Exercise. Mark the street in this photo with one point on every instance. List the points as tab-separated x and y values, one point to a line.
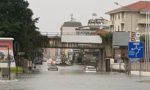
73	78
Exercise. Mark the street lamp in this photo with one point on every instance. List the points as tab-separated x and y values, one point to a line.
118	4
17	48
127	64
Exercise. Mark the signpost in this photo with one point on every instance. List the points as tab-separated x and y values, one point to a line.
134	36
136	51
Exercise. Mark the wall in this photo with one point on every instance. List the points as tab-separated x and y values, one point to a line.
68	30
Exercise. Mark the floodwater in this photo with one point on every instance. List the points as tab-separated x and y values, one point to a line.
74	78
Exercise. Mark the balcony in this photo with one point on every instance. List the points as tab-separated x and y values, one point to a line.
143	21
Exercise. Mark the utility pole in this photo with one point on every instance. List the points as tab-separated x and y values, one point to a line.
9	65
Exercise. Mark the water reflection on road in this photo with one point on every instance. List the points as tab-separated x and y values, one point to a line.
73	78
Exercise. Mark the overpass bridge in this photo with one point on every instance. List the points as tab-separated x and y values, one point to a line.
78	41
74	41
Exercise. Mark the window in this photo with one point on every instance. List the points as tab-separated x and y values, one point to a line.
112	17
122	14
122	27
118	28
119	16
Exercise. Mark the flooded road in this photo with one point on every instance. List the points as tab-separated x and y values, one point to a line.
74	78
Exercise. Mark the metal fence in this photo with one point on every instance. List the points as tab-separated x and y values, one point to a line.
143	66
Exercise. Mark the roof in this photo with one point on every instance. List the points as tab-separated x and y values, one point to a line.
6	38
71	24
137	6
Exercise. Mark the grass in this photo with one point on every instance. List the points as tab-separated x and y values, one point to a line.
16	70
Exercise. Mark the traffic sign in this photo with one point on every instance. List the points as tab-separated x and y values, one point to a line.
136	50
135	36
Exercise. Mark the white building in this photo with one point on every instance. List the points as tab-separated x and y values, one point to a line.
70	27
130	17
74	32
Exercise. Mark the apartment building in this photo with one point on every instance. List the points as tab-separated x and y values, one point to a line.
131	17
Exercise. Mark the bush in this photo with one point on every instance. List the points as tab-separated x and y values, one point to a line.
14	70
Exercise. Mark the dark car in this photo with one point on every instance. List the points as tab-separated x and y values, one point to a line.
38	61
52	67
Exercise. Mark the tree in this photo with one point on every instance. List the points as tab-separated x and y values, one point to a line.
16	21
106	42
142	38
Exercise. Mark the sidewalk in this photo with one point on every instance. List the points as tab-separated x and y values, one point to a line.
12	77
142	73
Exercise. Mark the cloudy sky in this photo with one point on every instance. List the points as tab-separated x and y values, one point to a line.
53	13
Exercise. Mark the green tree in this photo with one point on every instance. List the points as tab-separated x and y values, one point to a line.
16	21
142	38
107	39
107	42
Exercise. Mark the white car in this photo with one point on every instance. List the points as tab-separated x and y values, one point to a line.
89	69
58	60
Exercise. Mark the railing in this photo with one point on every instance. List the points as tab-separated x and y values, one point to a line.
51	33
145	66
83	33
55	41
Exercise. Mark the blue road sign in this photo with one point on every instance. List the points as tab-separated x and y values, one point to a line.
136	50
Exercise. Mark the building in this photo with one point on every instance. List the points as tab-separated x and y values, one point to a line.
69	27
94	25
131	17
73	32
134	17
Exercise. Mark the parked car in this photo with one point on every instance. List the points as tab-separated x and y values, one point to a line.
68	62
52	67
45	59
90	69
38	60
51	61
58	60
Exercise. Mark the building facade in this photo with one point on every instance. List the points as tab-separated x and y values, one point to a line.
129	18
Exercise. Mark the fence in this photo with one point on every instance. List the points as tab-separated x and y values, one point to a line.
143	66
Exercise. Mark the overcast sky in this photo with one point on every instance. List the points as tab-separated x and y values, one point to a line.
53	13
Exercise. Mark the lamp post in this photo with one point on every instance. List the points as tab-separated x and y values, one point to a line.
128	69
147	38
9	64
118	4
16	48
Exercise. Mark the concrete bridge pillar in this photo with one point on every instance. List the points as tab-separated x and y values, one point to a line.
100	62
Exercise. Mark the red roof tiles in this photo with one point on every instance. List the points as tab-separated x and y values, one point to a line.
137	6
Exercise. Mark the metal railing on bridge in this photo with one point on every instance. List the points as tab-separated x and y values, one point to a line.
89	33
